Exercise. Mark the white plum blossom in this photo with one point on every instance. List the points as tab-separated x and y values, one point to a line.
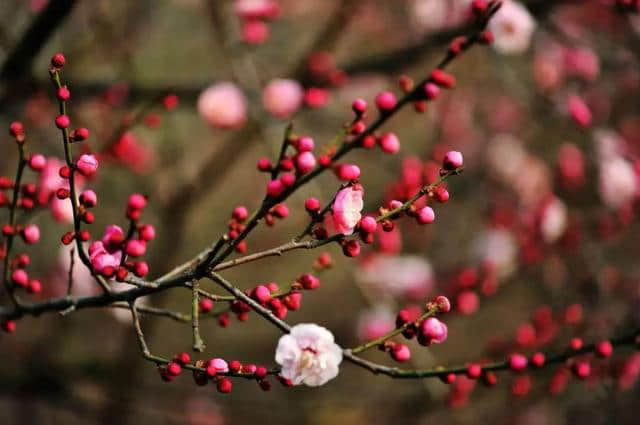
512	27
308	355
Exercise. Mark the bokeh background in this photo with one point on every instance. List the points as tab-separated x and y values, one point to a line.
539	226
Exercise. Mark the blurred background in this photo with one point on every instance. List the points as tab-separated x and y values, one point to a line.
538	243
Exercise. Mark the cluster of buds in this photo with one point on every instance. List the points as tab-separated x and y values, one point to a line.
214	370
413	322
236	226
290	167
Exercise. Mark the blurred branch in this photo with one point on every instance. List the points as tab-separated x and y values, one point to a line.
18	63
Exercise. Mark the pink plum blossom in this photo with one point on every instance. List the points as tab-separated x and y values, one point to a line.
282	97
308	355
346	210
553	220
223	105
405	276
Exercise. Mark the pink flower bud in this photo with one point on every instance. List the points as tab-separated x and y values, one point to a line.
604	349
443	303
20	278
141	269
579	111
287	179
62	122
433	331
37	162
305	144
390	143
368	224
452	160
431	91
88	198
261	294
254	31
426	215
305	162
517	362
312	204
386	101
147	232
359	106
87	164
240	213
274	188
31	234
136	201
346	172
400	353
351	248
136	248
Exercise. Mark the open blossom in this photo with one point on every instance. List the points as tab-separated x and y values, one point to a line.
282	97
101	258
223	105
512	27
346	210
308	355
107	252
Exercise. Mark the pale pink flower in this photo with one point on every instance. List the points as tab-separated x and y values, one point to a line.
434	15
61	210
83	282
375	322
308	355
618	182
282	97
346	210
223	105
553	220
402	276
498	248
512	27
257	9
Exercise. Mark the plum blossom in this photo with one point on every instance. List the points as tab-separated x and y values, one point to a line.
308	355
223	105
553	220
49	182
346	210
107	252
435	15
402	276
618	182
375	322
512	27
282	97
498	248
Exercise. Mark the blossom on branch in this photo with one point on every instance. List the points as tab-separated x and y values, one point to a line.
308	355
